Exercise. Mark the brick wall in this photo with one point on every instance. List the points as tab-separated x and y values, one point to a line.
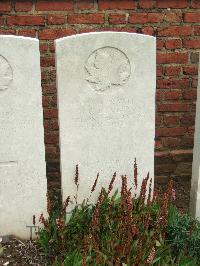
175	23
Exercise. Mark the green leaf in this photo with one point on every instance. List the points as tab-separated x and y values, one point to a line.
158	244
1	250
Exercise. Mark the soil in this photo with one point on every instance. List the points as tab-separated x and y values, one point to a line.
19	253
182	189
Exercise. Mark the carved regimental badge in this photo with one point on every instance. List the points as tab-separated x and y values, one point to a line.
107	68
6	74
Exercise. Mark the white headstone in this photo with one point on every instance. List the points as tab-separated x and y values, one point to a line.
106	95
23	182
195	182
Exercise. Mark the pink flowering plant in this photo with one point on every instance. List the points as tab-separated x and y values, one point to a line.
119	229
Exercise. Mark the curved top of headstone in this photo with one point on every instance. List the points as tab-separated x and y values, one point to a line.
7	62
107	65
101	33
19	38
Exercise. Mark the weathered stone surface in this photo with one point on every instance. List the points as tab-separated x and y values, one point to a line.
195	182
106	98
22	158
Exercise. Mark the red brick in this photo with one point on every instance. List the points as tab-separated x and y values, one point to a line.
171	132
173	17
43	47
51	125
167	58
148	30
173	107
159	44
125	29
159	71
46	124
86	18
196	30
27	33
131	30
173	44
158	95
116	4
47	61
5	6
190	70
192	43
45	101
190	94
172	70
51	34
45	75
195	4
171	120
56	19
146	3
52	47
191	17
194	58
50	113
187	120
112	28
145	17
158	120
54	5
50	150
170	142
117	18
49	89
180	154
175	31
158	144
187	142
52	74
194	82
172	3
85	4
172	95
54	125
53	101
165	169
23	6
162	156
173	83
7	32
51	138
2	20
86	30
25	20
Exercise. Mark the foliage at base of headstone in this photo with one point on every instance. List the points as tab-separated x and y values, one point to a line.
183	232
121	229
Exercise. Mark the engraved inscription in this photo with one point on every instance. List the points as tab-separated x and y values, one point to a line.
107	68
8	163
103	114
6	74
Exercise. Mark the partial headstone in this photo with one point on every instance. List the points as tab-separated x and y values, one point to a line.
106	95
195	182
23	184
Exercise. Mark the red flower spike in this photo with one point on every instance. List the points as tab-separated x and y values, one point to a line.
76	176
34	222
135	174
95	183
111	183
151	255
